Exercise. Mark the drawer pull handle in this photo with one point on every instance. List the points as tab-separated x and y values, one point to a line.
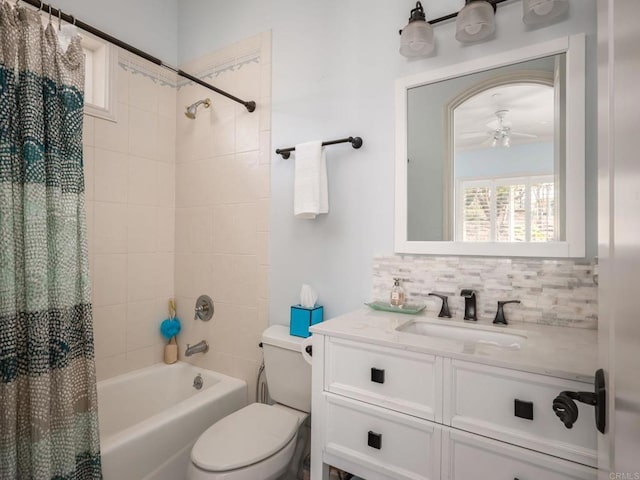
377	375
375	440
523	409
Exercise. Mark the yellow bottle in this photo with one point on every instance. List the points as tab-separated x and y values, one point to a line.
397	294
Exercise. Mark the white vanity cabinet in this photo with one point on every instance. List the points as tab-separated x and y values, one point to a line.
386	413
383	444
516	407
406	382
466	456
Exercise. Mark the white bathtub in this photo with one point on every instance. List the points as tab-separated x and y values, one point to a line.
150	418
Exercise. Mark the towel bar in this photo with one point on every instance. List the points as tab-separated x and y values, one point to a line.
356	142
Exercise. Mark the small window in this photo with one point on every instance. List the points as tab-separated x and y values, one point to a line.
101	60
100	77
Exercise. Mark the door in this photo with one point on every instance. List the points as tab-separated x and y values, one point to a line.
619	233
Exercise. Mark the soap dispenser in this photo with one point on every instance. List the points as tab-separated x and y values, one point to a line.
397	294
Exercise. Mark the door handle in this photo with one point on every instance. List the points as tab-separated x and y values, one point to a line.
566	410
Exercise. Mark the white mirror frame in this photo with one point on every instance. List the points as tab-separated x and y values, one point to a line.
574	245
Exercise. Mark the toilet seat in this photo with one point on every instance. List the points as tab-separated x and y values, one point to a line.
245	437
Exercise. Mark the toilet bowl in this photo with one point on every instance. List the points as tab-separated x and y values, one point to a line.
258	441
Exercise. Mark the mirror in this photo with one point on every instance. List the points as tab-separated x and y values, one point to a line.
484	151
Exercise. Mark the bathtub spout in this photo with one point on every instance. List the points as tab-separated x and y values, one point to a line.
200	347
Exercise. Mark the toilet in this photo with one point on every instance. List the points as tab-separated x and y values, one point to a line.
258	441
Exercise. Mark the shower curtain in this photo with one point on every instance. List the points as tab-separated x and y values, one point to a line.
48	399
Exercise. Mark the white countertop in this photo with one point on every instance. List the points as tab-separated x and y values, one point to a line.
564	352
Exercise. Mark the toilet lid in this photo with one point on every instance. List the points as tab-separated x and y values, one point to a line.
245	437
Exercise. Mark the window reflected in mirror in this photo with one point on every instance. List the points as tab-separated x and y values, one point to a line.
504	162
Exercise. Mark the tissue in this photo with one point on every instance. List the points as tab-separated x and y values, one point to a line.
306	314
308	296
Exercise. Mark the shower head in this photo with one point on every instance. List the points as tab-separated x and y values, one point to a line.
193	108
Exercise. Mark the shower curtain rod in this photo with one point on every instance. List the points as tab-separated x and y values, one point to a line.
47	8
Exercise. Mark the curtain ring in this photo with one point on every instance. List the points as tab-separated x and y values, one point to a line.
59	19
41	6
49	13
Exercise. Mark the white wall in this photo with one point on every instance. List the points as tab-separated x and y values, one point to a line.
334	66
149	25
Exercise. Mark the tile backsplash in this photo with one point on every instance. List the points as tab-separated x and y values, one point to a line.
552	292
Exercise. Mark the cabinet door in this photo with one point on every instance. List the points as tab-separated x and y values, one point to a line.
516	407
379	444
471	457
403	381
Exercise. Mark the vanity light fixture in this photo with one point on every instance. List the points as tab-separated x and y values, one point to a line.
416	39
539	12
476	21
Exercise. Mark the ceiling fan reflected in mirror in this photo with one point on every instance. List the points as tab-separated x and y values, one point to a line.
499	131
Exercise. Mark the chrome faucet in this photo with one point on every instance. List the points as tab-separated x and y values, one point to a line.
200	347
470	311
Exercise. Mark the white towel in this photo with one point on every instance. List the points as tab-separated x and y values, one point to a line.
310	196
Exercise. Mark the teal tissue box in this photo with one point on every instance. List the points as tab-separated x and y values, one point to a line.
302	318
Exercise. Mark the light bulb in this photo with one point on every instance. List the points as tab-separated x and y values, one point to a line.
475	21
473	29
543	8
416	39
539	12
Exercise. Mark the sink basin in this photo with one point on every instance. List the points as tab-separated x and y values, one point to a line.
466	333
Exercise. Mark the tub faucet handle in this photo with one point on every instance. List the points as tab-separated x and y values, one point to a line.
198	310
204	308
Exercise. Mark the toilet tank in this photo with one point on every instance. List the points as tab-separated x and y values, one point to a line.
288	374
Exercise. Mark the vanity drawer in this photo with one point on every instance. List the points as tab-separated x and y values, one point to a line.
407	382
472	457
497	402
387	444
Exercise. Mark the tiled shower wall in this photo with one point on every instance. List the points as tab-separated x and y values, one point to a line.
129	179
222	202
552	292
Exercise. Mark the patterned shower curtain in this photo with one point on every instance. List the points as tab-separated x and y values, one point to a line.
48	400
